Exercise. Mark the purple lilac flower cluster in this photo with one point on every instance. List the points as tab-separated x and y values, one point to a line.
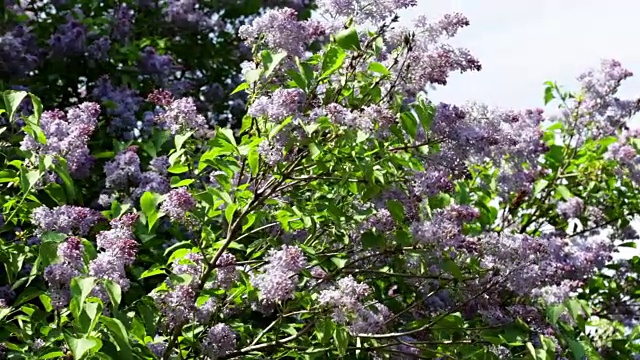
188	15
19	53
59	275
67	136
549	267
226	271
282	31
445	229
124	175
279	106
437	60
123	105
364	11
65	219
600	108
159	67
346	301
70	39
118	250
6	296
219	341
178	304
182	116
279	277
177	203
571	208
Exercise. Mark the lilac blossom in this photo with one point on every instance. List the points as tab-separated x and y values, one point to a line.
278	280
282	31
65	219
118	250
160	165
69	39
177	203
444	229
182	116
437	60
186	14
364	11
59	275
158	66
192	264
226	272
153	182
205	312
67	136
572	208
176	305
279	106
19	53
6	296
600	107
122	23
346	301
123	104
123	172
219	341
99	48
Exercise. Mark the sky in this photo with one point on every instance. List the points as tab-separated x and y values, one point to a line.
521	44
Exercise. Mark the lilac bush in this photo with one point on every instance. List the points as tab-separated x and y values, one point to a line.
347	215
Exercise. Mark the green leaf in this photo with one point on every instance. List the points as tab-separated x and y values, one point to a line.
149	205
37	106
341	337
564	192
79	347
242	86
181	138
229	211
12	100
333	60
548	94
340	263
315	150
409	124
252	75
227	134
80	288
152	272
371	240
270	61
114	292
253	157
348	39
378	68
119	334
89	316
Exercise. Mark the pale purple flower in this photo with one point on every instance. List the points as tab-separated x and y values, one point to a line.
205	311
226	272
282	31
176	305
219	341
279	105
177	203
65	219
67	136
572	208
182	116
123	172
